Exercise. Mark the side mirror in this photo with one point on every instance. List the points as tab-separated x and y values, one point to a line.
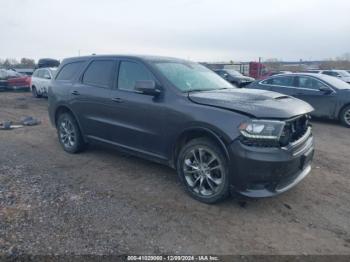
325	89
147	87
47	77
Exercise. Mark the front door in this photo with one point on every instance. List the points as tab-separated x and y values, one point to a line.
316	93
138	118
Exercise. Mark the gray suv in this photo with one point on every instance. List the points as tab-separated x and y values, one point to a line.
219	138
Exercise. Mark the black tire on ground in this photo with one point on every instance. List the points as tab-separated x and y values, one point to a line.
69	134
345	116
35	92
204	150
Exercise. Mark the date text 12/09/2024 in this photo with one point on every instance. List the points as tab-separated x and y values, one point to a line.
172	258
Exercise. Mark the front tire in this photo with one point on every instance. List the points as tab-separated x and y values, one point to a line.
69	134
345	116
203	170
35	92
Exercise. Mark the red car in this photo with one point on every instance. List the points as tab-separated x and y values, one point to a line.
17	81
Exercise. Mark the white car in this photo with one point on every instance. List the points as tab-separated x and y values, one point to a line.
41	79
341	74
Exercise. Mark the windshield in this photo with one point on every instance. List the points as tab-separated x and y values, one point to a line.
188	76
343	73
233	72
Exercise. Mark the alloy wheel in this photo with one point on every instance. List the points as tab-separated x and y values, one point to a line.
67	133
347	117
204	172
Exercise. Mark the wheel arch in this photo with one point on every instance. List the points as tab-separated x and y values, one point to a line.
341	110
196	132
65	109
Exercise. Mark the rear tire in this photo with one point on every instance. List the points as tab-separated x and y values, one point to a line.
35	92
203	170
69	134
345	116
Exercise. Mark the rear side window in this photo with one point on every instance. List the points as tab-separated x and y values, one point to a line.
36	73
280	81
99	73
68	71
40	74
129	73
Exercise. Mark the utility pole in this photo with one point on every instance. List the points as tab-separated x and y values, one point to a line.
259	67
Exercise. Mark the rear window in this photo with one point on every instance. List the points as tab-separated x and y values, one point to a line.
68	71
99	73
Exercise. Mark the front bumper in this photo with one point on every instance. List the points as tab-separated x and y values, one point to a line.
265	172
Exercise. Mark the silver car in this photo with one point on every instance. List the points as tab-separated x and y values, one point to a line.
341	74
41	79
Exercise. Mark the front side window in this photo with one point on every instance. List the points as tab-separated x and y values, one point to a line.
310	83
46	74
99	73
130	72
188	76
36	73
68	71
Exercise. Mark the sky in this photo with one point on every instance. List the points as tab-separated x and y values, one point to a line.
200	30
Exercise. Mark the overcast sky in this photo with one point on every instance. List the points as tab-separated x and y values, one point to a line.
201	30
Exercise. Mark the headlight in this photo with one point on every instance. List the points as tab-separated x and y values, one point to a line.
262	129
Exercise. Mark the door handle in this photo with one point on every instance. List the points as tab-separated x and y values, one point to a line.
75	92
117	100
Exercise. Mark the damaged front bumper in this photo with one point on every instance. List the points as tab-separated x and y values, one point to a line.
265	172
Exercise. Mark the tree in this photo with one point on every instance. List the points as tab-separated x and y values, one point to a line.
27	63
273	64
10	62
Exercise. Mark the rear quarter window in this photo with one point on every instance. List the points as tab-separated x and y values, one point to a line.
68	71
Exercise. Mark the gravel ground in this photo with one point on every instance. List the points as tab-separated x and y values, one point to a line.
105	202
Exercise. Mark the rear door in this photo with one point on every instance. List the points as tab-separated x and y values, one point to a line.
91	98
138	118
317	93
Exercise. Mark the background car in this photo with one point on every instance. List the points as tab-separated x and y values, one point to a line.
48	62
24	71
234	77
41	79
12	80
3	79
341	74
329	96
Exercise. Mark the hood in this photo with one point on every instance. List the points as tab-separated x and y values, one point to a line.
253	102
246	78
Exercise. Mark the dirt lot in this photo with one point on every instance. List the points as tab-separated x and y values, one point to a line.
104	202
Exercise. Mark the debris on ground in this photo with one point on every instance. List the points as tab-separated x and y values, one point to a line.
24	121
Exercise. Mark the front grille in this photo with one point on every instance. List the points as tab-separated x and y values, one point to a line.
294	129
